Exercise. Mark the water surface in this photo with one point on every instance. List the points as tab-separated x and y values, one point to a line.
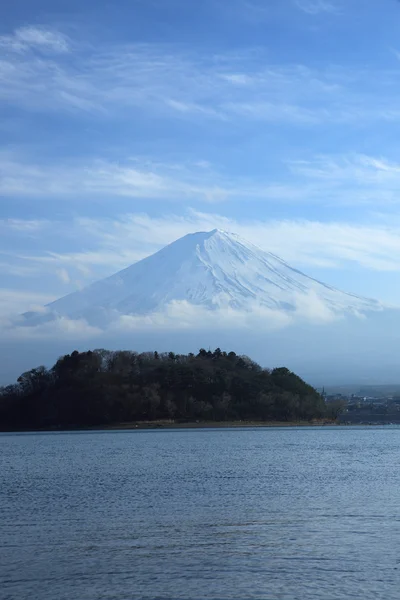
304	513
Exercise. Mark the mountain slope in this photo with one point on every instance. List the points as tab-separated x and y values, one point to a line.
213	270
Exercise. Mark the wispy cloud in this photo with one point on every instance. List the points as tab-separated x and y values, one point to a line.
27	227
316	7
110	81
324	180
357	167
63	275
40	39
104	246
356	178
134	178
268	111
19	301
141	178
61	329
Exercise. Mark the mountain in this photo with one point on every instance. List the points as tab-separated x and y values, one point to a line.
212	270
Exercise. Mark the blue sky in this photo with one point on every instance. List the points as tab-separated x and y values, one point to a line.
125	125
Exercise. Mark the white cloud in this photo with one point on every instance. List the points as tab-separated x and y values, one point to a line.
100	247
138	178
19	268
20	301
131	179
183	315
316	7
189	108
176	316
26	227
37	38
269	111
353	179
356	167
117	80
238	78
60	329
342	180
63	275
312	308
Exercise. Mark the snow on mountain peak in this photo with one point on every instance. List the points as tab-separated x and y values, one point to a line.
214	269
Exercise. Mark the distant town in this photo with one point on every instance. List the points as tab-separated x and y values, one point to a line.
378	405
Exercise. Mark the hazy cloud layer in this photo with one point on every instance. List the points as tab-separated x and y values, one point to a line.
176	316
13	302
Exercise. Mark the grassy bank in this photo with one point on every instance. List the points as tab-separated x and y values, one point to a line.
162	424
165	424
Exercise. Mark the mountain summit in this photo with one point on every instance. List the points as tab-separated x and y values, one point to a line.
213	270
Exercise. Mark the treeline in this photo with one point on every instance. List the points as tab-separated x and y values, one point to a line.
105	387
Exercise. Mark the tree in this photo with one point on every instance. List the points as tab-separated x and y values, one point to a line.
100	387
335	408
34	381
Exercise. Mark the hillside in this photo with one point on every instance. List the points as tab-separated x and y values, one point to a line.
102	388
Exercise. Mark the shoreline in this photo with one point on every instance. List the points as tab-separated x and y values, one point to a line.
157	425
214	424
163	425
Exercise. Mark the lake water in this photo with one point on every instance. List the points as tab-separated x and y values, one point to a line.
201	514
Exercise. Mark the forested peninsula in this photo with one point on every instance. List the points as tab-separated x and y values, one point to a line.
104	388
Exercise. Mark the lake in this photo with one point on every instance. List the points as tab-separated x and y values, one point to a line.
302	513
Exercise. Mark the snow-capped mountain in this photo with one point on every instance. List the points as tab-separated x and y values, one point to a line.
212	270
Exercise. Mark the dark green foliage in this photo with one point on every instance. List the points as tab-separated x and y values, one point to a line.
335	408
103	387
